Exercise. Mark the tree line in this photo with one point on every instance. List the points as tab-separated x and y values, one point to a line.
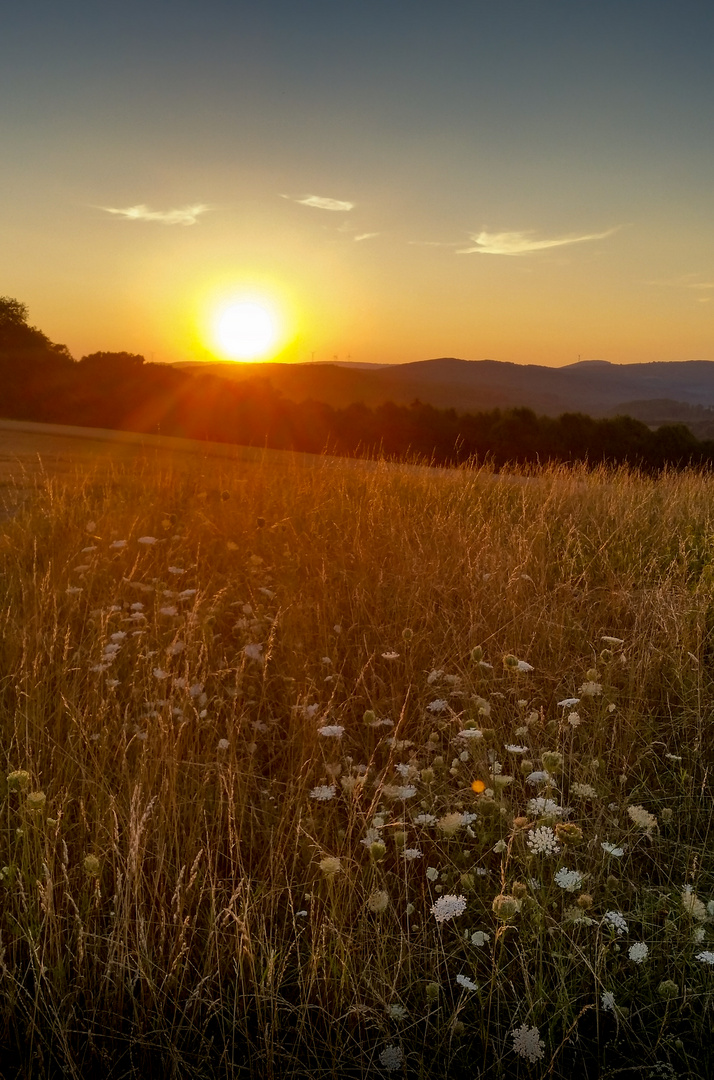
41	381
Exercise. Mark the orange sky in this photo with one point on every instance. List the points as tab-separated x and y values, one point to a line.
397	183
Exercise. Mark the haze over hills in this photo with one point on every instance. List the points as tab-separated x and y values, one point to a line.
657	393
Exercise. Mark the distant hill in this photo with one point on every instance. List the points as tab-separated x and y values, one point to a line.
682	390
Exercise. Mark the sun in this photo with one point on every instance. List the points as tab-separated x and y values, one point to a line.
247	329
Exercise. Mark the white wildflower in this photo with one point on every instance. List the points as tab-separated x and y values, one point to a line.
169	610
574	719
570	880
331	731
642	818
390	655
523	666
176	570
438	705
539	776
397	1012
411	853
223	744
612	849
323	792
425	819
569	702
394	791
706	957
467	983
591	689
513	749
117	545
541	807
541	841
148	540
392	1057
470	733
583	791
448	907
693	905
638	952
253	652
527	1043
616	921
612	640
479	938
432	873
608	1001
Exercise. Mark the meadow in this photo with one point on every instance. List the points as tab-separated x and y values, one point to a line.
356	770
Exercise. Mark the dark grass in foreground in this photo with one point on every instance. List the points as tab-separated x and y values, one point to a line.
298	784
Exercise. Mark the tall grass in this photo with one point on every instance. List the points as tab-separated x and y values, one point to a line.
255	723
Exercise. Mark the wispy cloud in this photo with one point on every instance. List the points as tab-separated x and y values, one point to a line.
185	215
366	236
522	243
319	202
434	243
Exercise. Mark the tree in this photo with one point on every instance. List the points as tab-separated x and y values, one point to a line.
19	340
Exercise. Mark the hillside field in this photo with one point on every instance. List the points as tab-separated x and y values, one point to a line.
321	768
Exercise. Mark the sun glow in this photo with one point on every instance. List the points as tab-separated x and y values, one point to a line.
247	329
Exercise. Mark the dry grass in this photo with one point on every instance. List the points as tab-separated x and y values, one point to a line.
179	905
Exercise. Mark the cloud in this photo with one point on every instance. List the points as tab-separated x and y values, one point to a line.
319	202
366	236
522	243
434	243
186	215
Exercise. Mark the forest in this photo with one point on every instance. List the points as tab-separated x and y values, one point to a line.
41	381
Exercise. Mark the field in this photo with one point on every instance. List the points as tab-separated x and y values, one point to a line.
344	770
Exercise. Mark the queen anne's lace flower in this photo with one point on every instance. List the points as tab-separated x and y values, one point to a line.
693	905
638	952
615	921
324	792
541	841
540	807
642	818
612	849
528	1043
392	1057
706	957
570	880
467	983
448	907
608	1001
331	731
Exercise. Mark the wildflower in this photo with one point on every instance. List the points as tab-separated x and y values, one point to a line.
615	920
668	990
148	540
612	849
541	807
527	1043
175	648
478	787
642	818
470	733
432	873
432	992
569	702
539	776
378	901
638	952
499	847
253	652
512	749
377	850
117	545
706	957
450	823
330	866
448	907
504	907
392	1057
467	983
169	610
91	526
583	791
411	853
397	1012
73	590
574	719
541	841
479	938
92	865
552	761
608	1001
36	801
323	792
570	880
438	705
693	905
425	819
590	688
390	655
18	779
394	791
612	640
176	570
223	744
331	731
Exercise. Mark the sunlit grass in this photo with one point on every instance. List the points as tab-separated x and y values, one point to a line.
298	784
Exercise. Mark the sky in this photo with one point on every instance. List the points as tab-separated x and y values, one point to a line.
386	180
